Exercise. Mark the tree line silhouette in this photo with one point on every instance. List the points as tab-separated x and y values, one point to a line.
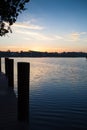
41	54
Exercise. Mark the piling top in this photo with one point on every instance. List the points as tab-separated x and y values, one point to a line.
24	63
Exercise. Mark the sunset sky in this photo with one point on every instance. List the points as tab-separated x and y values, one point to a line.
49	25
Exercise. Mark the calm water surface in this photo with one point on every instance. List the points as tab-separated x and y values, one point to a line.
58	93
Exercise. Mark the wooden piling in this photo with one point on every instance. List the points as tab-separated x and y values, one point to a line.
0	64
6	66
23	91
10	72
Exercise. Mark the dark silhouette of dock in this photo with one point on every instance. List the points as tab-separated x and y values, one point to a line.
11	117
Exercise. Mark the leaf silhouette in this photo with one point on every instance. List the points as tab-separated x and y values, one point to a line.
9	11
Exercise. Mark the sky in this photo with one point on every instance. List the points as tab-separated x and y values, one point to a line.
49	25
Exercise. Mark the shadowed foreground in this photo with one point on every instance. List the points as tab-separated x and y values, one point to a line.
8	107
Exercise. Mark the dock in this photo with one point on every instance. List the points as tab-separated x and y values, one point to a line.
9	107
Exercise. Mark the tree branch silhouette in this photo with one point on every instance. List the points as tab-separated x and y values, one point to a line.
9	11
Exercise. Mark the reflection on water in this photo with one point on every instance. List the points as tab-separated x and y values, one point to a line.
58	93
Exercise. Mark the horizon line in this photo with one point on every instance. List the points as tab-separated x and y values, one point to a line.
43	51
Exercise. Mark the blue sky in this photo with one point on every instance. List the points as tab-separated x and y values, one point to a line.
50	25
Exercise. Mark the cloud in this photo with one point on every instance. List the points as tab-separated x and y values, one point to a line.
28	28
57	37
83	33
34	35
38	35
28	25
35	32
75	36
25	38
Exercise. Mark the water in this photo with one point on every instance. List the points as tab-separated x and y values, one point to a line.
58	93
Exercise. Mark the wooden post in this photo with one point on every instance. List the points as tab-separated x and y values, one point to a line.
0	64
6	66
10	73
23	91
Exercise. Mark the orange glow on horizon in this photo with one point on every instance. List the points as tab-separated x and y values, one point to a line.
59	50
17	49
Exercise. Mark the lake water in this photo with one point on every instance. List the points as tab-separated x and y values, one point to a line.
58	93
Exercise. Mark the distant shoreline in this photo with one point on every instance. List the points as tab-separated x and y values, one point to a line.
40	57
37	54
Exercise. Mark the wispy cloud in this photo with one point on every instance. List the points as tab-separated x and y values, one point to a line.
27	38
34	35
31	31
28	25
38	35
75	36
83	33
58	37
34	31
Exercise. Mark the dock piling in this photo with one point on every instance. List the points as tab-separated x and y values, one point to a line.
10	72
6	66
23	91
0	64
